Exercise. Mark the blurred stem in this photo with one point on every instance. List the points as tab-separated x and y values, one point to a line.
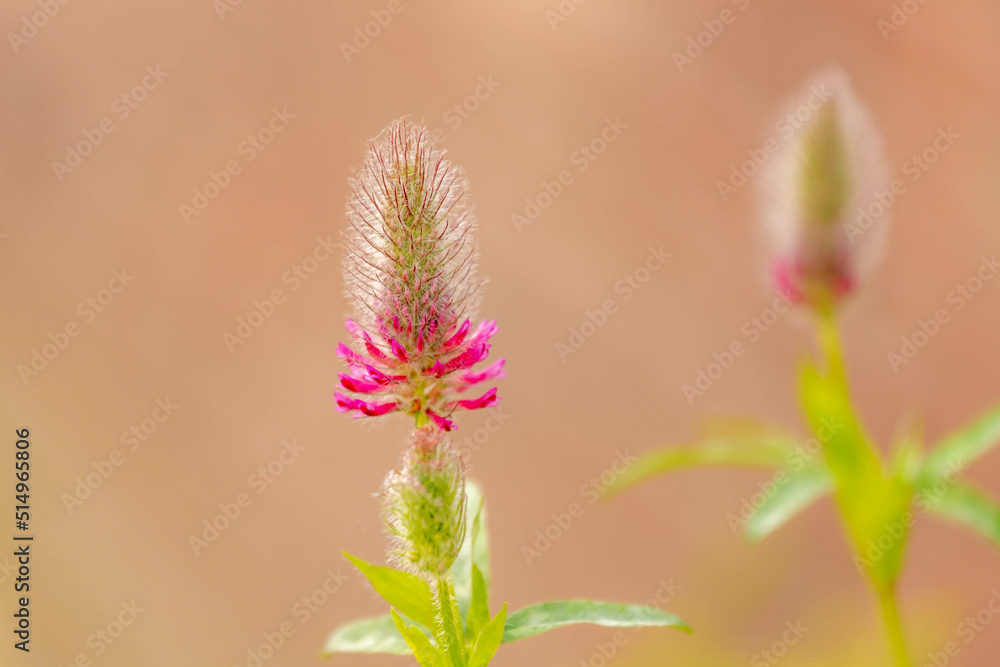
829	342
894	625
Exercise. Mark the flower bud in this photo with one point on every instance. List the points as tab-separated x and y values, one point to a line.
819	193
424	505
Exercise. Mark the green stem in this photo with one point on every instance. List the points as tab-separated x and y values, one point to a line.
894	625
829	342
449	634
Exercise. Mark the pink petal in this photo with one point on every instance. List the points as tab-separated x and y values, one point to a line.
486	330
467	358
380	377
487	400
373	350
443	424
491	372
360	385
350	356
459	336
346	404
398	350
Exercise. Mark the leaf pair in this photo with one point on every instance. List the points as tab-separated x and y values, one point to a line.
800	480
938	484
452	626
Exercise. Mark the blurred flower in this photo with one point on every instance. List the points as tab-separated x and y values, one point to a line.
411	275
826	173
424	505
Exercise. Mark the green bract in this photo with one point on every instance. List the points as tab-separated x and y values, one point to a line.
453	626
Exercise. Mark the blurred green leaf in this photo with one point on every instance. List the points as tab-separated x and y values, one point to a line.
794	492
488	640
423	650
479	610
766	452
539	618
373	635
406	592
967	505
475	549
962	448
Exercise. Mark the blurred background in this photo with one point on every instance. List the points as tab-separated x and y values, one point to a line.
167	167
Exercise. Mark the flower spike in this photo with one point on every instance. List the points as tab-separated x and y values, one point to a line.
410	270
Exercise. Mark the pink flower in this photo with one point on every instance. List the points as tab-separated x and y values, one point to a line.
821	190
410	271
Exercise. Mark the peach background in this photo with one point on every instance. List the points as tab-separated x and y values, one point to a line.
655	185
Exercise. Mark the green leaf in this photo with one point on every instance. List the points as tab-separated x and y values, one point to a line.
423	650
475	549
794	492
539	618
967	505
751	447
406	592
373	635
488	640
962	448
479	611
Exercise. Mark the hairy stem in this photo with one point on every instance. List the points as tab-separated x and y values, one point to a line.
450	636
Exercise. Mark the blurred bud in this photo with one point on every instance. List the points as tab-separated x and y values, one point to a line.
410	271
424	506
820	191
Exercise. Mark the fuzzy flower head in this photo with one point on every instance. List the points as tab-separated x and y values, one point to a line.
823	218
424	505
410	271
